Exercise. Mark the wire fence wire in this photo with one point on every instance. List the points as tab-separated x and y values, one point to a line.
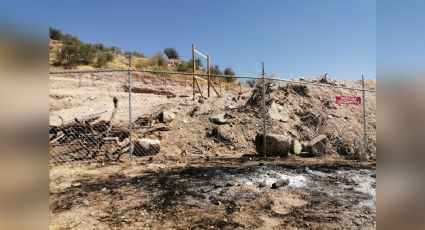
108	116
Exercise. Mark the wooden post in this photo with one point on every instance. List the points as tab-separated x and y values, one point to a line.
209	73
193	70
264	111
240	88
364	121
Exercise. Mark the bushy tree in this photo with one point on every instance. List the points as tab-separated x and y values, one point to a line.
171	53
231	73
198	64
55	34
215	70
86	53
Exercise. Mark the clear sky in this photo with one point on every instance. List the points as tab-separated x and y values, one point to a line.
401	36
293	37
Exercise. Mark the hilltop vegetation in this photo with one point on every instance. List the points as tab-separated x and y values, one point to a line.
69	52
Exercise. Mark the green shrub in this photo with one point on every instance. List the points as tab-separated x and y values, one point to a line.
159	59
134	54
229	71
171	53
215	70
86	53
69	55
102	58
55	34
115	50
182	67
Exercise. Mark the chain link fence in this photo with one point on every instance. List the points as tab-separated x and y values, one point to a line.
110	116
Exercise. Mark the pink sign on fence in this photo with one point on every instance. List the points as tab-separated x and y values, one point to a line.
348	100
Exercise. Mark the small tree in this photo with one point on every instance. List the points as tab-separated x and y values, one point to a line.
198	64
158	59
215	70
55	34
171	53
231	73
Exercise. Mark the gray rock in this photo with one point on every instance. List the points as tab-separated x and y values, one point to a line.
201	100
262	184
277	112
167	116
296	147
218	119
280	183
223	132
317	145
145	146
276	145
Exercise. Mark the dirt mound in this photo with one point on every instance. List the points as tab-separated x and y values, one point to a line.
309	111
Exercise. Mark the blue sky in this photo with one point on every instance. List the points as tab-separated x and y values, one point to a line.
401	36
293	37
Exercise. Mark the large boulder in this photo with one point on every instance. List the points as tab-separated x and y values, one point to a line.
317	145
218	119
167	116
145	146
276	145
277	112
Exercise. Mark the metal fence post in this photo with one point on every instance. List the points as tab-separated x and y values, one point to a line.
364	120
130	125
264	111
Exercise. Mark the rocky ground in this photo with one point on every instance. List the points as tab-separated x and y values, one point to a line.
199	163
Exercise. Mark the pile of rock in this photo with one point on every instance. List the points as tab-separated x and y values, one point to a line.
282	145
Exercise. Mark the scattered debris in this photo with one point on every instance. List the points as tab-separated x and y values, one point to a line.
218	119
317	145
167	116
301	90
150	91
277	112
296	147
145	146
280	183
194	110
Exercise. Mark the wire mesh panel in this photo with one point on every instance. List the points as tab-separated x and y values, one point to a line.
88	117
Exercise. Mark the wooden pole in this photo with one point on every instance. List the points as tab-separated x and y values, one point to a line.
193	70
364	121
240	88
264	111
209	74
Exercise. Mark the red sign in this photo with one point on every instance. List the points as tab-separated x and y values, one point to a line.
348	100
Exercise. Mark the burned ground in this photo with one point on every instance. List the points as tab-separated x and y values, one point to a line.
225	195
